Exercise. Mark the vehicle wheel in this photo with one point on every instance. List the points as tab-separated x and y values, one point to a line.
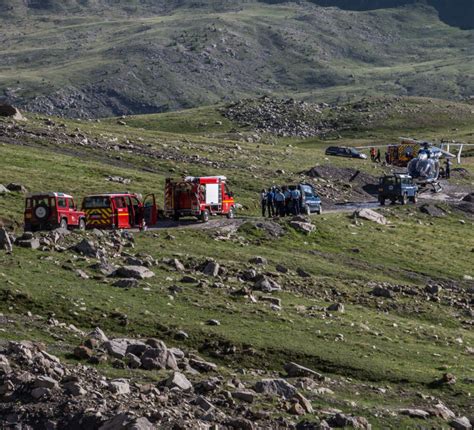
307	210
82	224
205	216
231	213
404	199
393	201
382	202
63	223
176	217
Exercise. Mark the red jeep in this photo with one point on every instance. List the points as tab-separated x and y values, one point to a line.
45	211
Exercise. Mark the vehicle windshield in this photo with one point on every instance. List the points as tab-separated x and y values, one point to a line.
96	202
389	180
308	191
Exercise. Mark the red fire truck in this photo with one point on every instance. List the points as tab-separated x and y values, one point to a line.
120	210
200	197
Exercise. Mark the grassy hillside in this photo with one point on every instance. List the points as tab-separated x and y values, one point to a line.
381	354
101	63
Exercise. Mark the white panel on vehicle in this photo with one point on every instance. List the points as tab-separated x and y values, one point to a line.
212	194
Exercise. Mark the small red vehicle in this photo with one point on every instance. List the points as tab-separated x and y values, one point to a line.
45	211
120	210
199	197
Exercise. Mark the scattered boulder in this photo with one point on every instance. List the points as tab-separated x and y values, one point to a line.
341	421
432	210
126	283
461	423
379	291
211	269
16	188
3	189
10	111
135	272
178	380
276	387
266	284
119	386
303	226
415	413
295	370
336	307
370	215
87	248
5	241
244	395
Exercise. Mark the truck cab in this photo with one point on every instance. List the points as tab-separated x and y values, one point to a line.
45	211
397	187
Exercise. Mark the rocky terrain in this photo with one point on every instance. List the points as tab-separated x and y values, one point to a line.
97	60
352	319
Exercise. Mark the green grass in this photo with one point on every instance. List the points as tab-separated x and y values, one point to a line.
404	343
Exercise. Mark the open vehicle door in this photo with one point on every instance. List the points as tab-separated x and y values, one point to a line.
150	209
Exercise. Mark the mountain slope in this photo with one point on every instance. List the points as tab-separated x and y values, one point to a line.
104	63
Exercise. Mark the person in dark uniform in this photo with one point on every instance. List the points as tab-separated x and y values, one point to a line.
447	170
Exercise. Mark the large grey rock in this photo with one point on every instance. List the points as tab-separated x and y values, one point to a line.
45	382
211	269
303	227
5	241
266	284
158	358
17	188
295	370
341	420
117	347
126	283
119	386
370	215
136	272
276	387
10	111
98	334
124	421
4	189
245	395
32	243
415	413
461	423
4	365
87	247
74	388
178	380
379	291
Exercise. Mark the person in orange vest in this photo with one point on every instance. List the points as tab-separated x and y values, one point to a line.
372	154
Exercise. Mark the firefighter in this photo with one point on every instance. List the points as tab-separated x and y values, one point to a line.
378	158
387	158
263	201
372	154
447	170
270	202
279	202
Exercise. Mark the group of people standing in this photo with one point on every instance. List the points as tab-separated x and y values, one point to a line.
280	201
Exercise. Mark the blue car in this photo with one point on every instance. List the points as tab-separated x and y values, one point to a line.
310	201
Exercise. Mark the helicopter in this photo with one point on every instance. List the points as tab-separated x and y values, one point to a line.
421	159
